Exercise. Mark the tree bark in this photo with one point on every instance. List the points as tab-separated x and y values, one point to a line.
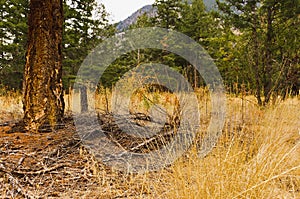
256	55
83	99
43	101
268	82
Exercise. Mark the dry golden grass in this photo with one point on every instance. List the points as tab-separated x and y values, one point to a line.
257	156
10	105
259	159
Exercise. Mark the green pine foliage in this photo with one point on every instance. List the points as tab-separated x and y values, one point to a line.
86	25
268	43
254	43
13	38
168	13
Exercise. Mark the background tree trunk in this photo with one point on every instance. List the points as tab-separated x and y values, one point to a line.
83	99
43	102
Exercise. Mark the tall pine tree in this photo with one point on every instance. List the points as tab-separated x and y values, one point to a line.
263	27
13	39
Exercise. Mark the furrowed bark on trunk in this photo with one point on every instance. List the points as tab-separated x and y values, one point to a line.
43	102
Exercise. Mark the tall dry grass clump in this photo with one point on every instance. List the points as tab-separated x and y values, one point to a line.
255	158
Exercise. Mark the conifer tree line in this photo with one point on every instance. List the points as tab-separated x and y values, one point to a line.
254	43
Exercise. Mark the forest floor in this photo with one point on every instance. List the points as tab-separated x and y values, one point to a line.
257	156
35	165
57	165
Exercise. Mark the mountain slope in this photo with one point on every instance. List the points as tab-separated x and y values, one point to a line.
148	9
151	12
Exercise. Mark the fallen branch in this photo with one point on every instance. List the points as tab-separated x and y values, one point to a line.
148	141
40	171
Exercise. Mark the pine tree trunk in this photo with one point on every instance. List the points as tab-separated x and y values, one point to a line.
42	86
257	70
83	99
268	84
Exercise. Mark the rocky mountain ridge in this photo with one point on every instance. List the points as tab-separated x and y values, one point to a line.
151	11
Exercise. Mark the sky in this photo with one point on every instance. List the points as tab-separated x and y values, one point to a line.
121	9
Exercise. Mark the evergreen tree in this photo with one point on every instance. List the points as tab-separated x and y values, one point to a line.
263	29
86	25
168	13
200	24
13	39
